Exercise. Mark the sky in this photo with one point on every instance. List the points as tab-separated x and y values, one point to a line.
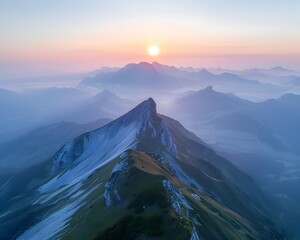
63	36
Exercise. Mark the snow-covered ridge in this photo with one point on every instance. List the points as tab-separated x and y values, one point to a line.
151	125
142	113
82	156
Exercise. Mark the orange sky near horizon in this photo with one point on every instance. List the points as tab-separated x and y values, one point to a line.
53	36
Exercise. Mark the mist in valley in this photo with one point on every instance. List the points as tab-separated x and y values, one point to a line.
251	121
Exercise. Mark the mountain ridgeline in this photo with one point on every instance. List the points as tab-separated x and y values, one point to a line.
141	176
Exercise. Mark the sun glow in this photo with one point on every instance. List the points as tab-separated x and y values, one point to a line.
153	50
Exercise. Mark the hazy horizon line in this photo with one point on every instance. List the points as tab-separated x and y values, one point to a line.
59	73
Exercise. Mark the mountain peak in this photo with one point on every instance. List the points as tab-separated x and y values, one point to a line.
205	73
146	108
104	95
142	65
142	72
208	89
151	102
142	113
106	92
156	63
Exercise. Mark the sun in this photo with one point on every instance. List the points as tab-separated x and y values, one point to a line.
153	50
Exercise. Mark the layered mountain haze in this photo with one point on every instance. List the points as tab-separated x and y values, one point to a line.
141	176
16	114
229	112
153	77
133	72
235	125
40	144
261	138
71	166
105	104
25	111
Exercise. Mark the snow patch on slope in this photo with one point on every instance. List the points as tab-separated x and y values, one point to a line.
53	224
178	201
167	140
99	148
111	193
61	193
82	156
180	205
194	235
63	158
177	171
196	196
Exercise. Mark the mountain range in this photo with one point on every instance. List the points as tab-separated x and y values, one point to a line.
153	77
260	138
142	176
72	167
273	122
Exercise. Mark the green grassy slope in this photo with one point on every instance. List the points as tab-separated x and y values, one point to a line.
145	209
